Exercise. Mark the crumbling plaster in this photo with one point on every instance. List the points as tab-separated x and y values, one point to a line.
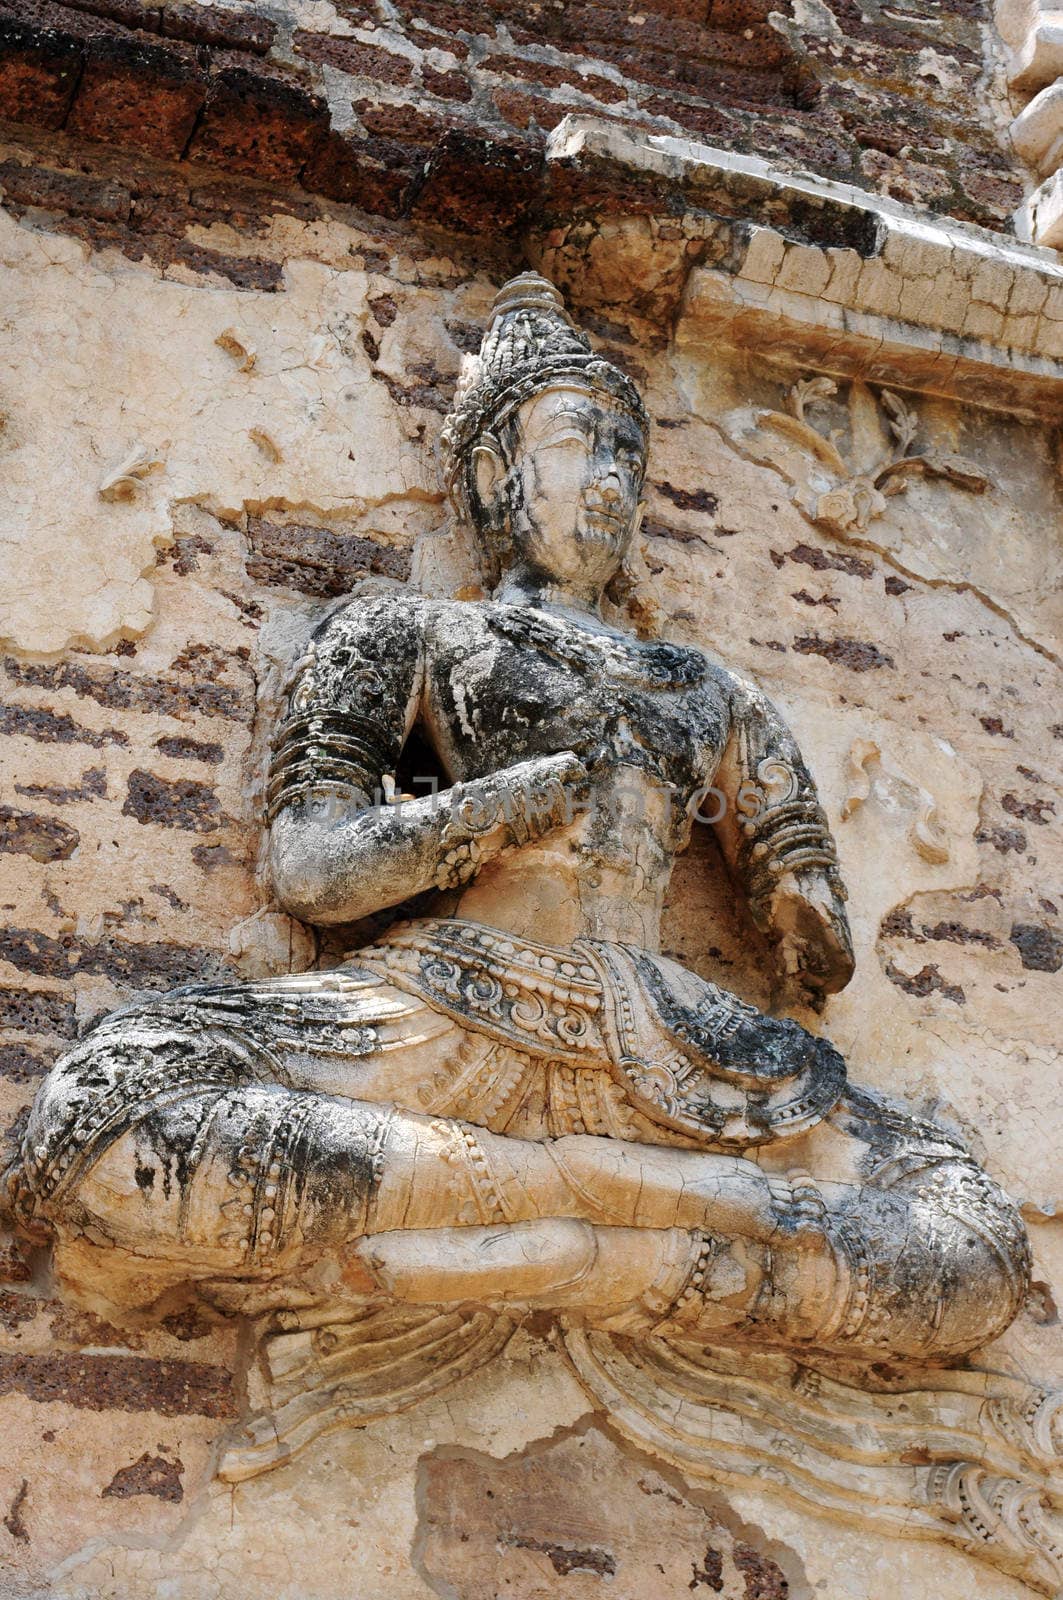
106	364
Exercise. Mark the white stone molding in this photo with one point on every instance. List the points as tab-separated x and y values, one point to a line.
1033	35
902	297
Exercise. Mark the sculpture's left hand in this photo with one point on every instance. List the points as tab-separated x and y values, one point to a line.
815	945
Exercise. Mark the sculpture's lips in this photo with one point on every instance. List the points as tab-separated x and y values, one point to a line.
601	514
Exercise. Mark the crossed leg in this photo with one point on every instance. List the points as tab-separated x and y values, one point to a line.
303	1196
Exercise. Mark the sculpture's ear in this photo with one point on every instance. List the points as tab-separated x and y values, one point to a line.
489	470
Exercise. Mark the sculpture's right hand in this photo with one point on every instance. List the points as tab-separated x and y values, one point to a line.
338	862
547	791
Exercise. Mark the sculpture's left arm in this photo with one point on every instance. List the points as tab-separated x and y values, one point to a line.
778	845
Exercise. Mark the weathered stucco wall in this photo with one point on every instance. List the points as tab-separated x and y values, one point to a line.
197	458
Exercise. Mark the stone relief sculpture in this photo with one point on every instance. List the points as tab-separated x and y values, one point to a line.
834	492
518	1102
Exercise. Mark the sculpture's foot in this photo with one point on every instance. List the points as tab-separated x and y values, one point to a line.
631	1280
620	1278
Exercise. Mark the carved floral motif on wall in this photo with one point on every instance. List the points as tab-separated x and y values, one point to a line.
845	490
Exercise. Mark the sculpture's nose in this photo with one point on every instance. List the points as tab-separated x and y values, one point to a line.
609	484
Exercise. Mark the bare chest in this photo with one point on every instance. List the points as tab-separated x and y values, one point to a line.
505	684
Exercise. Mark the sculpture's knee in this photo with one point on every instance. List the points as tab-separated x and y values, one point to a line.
157	1138
984	1295
62	1118
102	1144
941	1267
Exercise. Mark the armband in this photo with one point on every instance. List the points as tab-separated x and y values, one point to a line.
792	837
316	748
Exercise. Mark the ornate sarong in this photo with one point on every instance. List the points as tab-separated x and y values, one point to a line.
687	1055
487	1027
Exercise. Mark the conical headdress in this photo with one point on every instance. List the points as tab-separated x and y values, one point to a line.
531	344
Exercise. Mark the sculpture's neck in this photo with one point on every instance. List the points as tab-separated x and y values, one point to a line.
524	585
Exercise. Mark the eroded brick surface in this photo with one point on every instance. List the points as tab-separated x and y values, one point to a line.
120	1383
883	100
578	1515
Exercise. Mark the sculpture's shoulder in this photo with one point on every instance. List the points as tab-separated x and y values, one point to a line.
375	618
749	706
739	696
365	655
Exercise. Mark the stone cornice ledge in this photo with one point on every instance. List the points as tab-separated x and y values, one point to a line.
827	275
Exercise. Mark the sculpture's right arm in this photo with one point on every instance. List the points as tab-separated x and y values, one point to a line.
339	849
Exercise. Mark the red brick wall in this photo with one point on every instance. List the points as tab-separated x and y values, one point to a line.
888	100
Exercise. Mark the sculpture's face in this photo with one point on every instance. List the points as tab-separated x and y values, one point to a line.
573	483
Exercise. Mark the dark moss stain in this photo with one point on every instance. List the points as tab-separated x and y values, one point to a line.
764	1578
662	530
186	1325
184	749
183	554
120	1383
807	555
37	1011
899	925
52	727
27	833
243	272
430	391
145	1178
14	1268
710	1574
172	899
212	856
689	499
1040	950
93	786
172	802
320	561
68	1325
563	1559
806	599
956	933
19	1065
1028	810
152	1475
15	1309
1003	840
154	964
385	311
25	185
128	691
14	1521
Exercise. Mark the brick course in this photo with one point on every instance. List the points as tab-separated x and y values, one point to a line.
353	114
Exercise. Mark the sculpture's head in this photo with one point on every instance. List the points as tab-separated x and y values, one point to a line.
545	449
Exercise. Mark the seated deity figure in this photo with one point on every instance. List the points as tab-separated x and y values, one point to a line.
519	1102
